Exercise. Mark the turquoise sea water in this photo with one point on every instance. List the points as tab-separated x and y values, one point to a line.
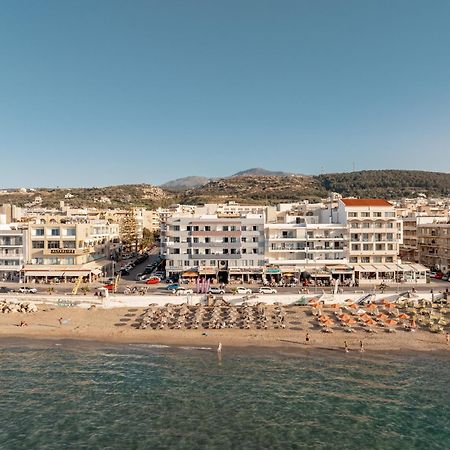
98	396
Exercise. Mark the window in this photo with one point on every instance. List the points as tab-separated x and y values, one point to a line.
355	247
255	251
365	214
39	232
243	239
352	214
37	244
254	239
72	232
176	228
207	251
389	259
255	228
377	214
69	244
354	225
389	214
365	259
233	228
225	251
55	232
53	244
366	225
244	251
225	228
207	240
353	259
243	228
377	259
379	247
176	251
233	240
207	228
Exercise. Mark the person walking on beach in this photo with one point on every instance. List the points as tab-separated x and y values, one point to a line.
219	348
60	320
361	346
345	347
307	338
447	338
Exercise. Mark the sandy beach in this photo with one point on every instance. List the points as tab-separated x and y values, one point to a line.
120	325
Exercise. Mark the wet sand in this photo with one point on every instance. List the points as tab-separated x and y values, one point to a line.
119	325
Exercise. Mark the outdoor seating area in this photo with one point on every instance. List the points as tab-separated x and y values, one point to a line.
384	316
259	316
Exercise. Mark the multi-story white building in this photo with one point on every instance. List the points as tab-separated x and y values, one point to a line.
218	245
12	249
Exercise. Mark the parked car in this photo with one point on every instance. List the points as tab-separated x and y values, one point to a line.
6	290
153	280
216	290
172	287
27	290
243	290
183	291
267	290
439	276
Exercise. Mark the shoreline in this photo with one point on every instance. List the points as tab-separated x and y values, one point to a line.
119	326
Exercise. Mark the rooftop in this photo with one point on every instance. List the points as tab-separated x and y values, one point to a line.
362	202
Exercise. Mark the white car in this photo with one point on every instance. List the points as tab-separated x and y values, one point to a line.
216	290
267	290
27	290
182	291
242	290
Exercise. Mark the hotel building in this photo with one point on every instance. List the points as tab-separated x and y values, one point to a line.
64	249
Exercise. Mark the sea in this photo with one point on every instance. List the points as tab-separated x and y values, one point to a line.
78	395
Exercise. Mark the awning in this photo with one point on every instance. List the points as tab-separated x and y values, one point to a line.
97	272
272	271
189	274
206	272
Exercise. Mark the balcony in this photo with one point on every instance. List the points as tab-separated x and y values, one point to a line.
220	257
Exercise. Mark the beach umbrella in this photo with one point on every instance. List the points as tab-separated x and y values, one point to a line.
349	301
327	323
344	317
390	322
353	306
403	316
382	316
351	321
365	317
370	322
371	307
333	306
324	318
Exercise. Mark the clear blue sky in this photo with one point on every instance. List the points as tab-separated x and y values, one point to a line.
100	92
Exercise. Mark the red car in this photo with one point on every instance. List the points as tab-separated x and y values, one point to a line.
153	280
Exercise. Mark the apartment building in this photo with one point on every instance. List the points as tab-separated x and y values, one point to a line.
59	247
302	244
220	246
12	249
433	242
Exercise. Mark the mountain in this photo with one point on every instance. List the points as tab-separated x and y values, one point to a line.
185	183
388	184
245	189
122	196
258	171
255	189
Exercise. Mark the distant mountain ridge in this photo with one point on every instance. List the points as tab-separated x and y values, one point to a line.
248	188
185	183
258	171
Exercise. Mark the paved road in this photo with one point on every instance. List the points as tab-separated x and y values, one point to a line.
130	280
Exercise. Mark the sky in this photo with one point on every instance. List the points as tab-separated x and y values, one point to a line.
104	92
